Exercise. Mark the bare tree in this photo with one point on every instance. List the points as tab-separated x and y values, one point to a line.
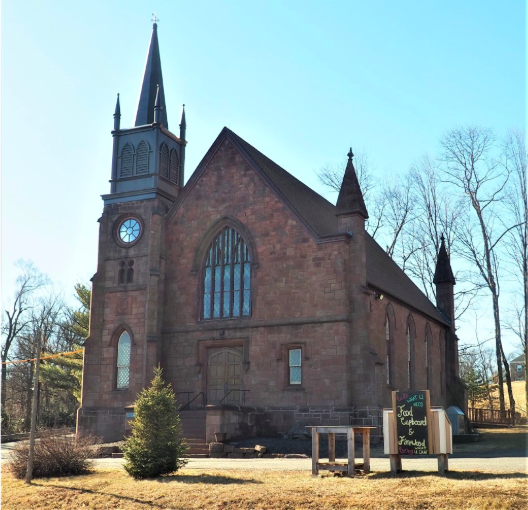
17	316
470	166
517	240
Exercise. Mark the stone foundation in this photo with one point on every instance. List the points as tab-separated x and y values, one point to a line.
106	423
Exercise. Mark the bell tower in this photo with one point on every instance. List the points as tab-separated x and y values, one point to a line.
124	345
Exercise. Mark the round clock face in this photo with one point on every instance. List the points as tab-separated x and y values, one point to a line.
129	230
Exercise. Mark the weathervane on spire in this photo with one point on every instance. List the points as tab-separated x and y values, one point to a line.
154	19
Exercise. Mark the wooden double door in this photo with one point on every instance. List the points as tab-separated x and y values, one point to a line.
224	373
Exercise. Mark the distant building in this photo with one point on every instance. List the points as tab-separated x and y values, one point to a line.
518	368
255	294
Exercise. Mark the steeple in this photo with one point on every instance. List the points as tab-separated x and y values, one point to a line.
117	115
443	272
151	80
350	200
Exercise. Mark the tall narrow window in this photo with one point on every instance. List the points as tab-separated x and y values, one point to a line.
227	277
130	272
123	360
387	348
294	360
174	166
164	161
121	273
428	347
127	161
409	368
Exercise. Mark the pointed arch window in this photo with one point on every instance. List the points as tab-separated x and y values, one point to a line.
127	161
227	277
428	348
164	161
174	166
124	348
387	350
142	158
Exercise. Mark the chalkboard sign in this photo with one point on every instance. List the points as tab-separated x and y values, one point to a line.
411	412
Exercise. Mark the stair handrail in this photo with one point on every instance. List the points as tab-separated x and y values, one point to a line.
243	396
189	403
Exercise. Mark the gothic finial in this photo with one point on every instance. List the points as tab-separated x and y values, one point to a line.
117	114
442	238
350	154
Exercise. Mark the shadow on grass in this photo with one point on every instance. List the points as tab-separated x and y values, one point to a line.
79	490
452	475
206	479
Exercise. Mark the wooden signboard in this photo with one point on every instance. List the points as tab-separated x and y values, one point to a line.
412	413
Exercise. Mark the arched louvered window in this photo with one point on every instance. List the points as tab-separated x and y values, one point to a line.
164	161
227	277
142	158
124	348
127	161
174	166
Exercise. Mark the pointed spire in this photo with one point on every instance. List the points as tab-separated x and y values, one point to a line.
117	115
443	271
183	124
151	79
350	200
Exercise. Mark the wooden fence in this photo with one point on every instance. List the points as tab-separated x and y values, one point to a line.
490	416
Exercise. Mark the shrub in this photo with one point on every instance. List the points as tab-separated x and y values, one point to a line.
155	447
55	454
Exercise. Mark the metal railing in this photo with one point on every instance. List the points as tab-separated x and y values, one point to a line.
189	402
243	397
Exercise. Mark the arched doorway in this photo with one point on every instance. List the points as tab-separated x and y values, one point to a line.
224	373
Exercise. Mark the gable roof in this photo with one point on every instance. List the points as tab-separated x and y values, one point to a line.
318	216
518	359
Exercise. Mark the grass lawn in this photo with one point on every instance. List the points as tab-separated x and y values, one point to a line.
212	489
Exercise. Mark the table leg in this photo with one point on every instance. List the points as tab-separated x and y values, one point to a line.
366	451
351	453
315	452
331	447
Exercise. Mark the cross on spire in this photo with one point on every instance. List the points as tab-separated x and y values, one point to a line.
154	19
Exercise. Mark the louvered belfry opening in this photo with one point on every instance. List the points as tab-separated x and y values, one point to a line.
127	161
142	158
164	161
227	277
174	166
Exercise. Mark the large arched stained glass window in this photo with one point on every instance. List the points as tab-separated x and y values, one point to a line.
227	277
123	360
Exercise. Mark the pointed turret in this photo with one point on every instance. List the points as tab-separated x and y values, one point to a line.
443	271
117	115
350	200
157	107
151	79
183	124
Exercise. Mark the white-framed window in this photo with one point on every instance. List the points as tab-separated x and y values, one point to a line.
124	347
294	366
519	368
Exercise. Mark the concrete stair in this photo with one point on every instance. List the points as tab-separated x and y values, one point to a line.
193	425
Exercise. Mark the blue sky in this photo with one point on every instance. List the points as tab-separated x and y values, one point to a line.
300	80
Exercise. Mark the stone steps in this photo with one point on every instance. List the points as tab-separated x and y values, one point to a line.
193	425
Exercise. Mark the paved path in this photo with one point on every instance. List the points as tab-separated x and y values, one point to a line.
500	464
517	463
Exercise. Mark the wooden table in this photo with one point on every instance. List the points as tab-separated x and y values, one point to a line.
350	466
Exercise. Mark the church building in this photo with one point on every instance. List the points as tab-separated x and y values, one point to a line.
264	303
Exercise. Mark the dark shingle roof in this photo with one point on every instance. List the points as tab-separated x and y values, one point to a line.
319	216
518	359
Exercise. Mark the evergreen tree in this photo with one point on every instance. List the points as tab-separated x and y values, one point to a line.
155	447
476	385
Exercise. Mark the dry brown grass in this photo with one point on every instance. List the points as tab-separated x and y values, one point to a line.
519	395
193	489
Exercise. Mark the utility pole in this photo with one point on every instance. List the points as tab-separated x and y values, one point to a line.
29	472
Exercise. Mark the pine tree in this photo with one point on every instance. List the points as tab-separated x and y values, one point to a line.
155	447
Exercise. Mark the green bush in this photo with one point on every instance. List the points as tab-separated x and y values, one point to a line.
57	453
155	447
